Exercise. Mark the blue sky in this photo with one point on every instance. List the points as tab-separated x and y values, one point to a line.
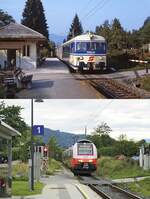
60	13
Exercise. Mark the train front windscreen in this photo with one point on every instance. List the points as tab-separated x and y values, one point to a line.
91	47
85	149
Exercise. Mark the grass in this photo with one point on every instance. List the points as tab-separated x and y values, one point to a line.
145	83
114	169
21	188
138	67
20	171
142	187
53	166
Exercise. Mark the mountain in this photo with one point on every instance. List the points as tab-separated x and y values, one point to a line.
58	39
147	140
64	139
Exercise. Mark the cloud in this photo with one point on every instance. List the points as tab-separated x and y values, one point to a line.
129	117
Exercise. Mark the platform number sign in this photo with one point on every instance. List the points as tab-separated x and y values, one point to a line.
38	130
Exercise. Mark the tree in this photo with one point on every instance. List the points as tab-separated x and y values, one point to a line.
102	129
145	32
75	29
12	116
118	37
5	18
34	17
126	147
100	137
105	31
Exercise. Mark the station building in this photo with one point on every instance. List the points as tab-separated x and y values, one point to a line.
6	135
19	46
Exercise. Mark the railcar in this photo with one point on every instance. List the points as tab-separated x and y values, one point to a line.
81	158
84	52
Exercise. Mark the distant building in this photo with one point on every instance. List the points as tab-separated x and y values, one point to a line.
19	46
146	48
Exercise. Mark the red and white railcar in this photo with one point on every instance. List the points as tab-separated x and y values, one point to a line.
81	157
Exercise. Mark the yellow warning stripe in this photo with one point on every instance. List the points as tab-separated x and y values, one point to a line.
82	191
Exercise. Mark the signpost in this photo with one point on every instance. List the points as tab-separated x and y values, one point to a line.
38	130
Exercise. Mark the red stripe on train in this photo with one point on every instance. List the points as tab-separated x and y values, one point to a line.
78	161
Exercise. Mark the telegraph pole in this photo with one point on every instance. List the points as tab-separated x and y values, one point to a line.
85	131
32	149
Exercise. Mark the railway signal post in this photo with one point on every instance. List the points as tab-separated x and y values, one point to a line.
37	130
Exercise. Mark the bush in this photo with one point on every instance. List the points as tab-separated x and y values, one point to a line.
120	59
2	92
107	151
111	168
20	172
53	166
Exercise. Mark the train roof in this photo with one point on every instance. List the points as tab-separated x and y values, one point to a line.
86	37
84	141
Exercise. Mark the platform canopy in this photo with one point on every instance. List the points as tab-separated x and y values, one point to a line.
7	132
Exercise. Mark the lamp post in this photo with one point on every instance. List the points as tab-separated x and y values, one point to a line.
32	144
32	149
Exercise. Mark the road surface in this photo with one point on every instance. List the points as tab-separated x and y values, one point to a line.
54	81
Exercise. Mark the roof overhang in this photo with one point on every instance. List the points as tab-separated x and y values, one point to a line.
7	132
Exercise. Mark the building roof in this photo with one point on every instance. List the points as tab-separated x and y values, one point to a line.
18	31
7	131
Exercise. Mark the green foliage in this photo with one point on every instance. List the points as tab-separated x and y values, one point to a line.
2	92
12	116
54	150
145	83
20	171
112	168
141	187
5	18
53	166
76	28
21	188
34	17
108	146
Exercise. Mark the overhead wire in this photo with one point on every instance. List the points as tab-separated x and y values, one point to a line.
98	113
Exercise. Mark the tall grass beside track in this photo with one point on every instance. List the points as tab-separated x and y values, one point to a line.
112	168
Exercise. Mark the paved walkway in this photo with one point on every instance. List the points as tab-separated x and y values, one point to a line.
54	81
63	185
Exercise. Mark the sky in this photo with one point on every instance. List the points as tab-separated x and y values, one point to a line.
130	117
59	13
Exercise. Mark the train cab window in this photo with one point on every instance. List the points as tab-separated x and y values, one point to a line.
72	47
81	47
85	149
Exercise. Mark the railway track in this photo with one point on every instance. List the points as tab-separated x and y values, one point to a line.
106	189
110	88
112	192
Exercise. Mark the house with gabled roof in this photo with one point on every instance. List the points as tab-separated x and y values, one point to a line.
19	46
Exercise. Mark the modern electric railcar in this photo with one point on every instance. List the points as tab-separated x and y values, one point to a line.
84	52
81	157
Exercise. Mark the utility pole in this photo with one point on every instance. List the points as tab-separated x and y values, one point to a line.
85	131
32	149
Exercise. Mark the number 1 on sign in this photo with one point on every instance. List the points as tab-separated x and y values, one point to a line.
39	130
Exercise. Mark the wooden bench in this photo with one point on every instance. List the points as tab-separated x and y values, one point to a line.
26	81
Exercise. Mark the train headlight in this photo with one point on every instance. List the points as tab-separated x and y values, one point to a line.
90	160
101	58
81	58
80	160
